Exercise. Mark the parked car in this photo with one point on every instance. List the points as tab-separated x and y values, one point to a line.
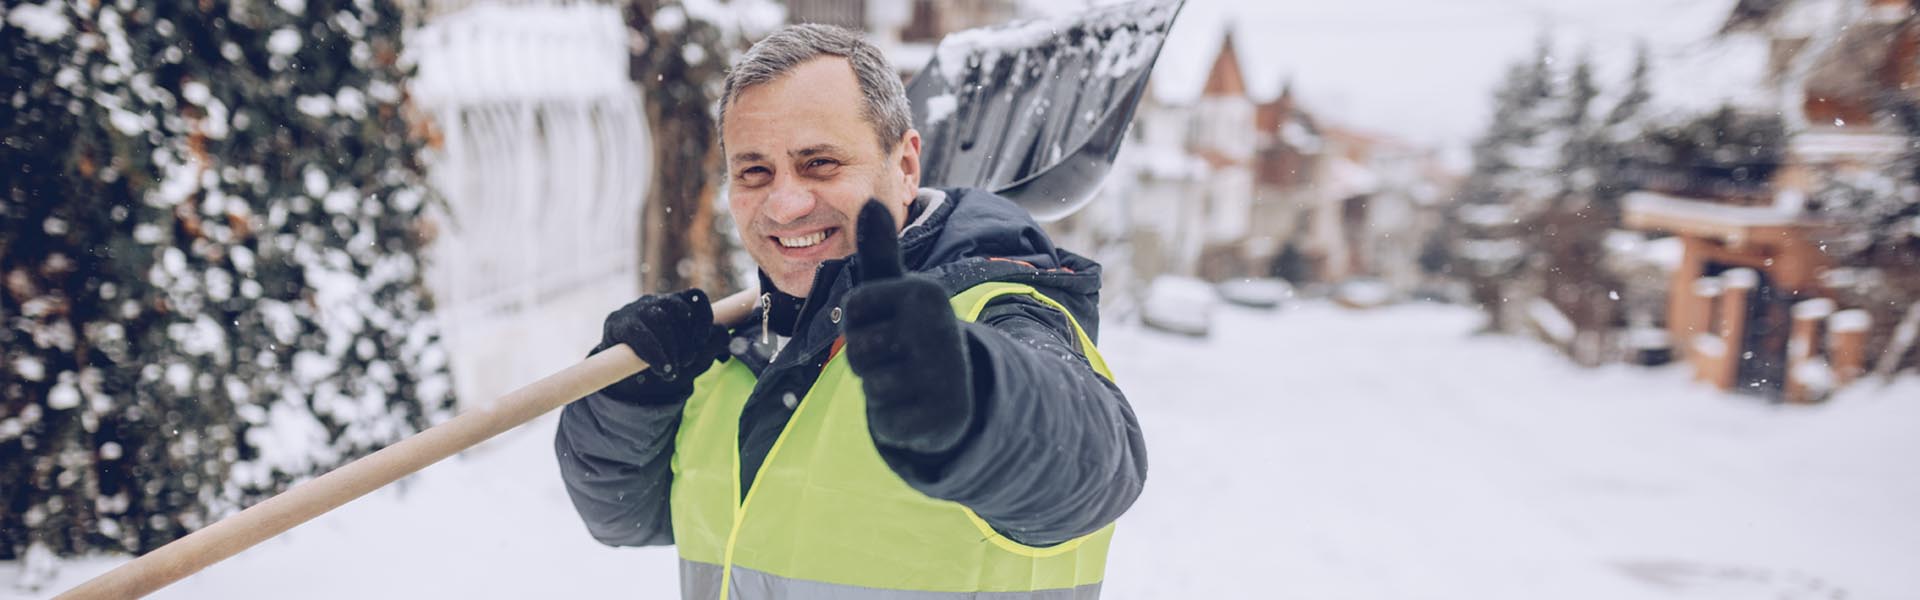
1256	293
1363	293
1182	305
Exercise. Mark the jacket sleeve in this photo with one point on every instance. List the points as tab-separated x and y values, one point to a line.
615	459
1053	451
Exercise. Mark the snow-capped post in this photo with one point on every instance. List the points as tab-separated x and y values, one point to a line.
1734	322
1809	378
1704	346
1847	332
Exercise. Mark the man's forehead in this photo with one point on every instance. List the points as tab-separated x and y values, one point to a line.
814	107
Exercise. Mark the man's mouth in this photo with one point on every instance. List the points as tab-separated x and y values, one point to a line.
805	241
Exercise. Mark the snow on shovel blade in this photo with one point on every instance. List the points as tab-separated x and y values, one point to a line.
1036	110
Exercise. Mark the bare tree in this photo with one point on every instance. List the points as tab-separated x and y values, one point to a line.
679	60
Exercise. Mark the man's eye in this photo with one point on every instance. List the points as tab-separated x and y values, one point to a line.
752	175
820	163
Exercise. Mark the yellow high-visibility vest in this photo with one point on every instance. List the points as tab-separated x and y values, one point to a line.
827	518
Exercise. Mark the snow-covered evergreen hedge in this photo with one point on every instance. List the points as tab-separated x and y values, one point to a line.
209	261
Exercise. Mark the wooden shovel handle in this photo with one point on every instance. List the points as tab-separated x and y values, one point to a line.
313	498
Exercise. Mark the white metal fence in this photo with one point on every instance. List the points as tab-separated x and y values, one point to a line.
544	162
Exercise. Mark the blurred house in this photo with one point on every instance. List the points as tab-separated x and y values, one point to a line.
1220	186
1751	302
1228	186
1375	203
1222	134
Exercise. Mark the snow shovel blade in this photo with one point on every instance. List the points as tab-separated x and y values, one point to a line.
1037	110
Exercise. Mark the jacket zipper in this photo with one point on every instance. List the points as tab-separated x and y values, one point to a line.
766	318
742	497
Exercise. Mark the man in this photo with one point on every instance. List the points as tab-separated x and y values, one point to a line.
925	417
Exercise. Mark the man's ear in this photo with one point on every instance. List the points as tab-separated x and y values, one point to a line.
910	161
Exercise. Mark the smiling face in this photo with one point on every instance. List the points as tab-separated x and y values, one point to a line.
801	161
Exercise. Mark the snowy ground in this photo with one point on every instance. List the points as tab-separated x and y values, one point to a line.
1310	453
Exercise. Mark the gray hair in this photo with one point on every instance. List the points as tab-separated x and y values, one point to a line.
885	99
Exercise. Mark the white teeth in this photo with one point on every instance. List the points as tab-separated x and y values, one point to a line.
803	241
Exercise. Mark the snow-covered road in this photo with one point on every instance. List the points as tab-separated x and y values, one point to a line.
1333	454
1309	453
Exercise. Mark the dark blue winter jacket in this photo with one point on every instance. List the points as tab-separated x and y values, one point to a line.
1058	453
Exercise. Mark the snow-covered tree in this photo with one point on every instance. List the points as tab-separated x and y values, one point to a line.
1570	232
1543	196
1513	176
1623	122
1882	207
1878	218
77	161
212	273
1614	140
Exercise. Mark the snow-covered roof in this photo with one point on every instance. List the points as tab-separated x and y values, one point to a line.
1686	208
1733	224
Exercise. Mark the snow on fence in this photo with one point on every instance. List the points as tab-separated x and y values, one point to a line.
543	162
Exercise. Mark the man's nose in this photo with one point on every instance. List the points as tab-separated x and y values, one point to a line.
788	201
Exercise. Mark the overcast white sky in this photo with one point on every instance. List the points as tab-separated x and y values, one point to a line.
1424	70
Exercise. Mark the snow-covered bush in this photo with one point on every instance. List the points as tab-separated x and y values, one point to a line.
209	272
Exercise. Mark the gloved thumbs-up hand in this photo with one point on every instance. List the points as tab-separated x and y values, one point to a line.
904	342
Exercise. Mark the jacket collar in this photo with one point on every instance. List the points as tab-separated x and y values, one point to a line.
959	238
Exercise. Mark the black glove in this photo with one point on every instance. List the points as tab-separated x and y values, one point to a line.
675	334
904	342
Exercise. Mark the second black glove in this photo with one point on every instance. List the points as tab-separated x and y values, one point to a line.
674	334
904	342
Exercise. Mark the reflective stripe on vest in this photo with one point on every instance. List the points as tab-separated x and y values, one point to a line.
827	518
701	581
